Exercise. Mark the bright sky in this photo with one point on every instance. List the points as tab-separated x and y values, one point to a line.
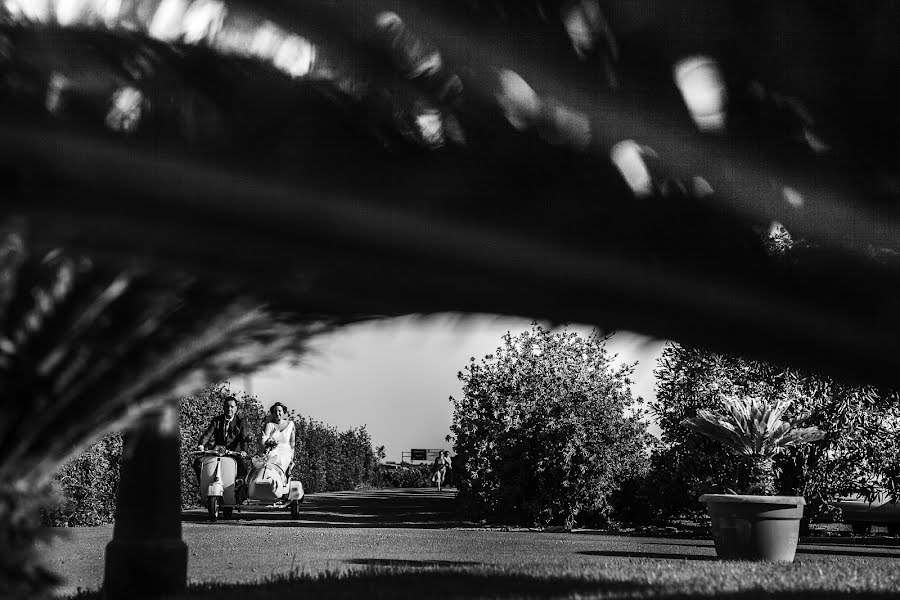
396	376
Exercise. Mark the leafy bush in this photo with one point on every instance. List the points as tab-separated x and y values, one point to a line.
328	460
859	453
88	486
405	476
541	430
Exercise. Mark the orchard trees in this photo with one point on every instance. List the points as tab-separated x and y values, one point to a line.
545	429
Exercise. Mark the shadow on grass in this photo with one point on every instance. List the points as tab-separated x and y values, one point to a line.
682	531
410	521
410	508
850	541
662	555
391	582
390	562
678	556
835	552
688	544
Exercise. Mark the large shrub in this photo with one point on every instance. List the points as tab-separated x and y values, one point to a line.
543	432
87	486
859	453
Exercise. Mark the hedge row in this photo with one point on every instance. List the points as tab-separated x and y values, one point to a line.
87	486
326	460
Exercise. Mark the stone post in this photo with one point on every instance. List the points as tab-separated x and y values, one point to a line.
147	557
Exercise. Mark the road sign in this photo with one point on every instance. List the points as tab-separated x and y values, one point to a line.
418	454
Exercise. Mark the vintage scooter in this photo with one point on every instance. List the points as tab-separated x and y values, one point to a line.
266	487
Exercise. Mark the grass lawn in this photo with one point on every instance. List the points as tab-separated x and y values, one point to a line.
408	544
856	577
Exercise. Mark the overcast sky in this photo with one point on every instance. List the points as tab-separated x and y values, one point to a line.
396	376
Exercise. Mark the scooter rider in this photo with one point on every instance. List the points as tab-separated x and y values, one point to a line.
225	430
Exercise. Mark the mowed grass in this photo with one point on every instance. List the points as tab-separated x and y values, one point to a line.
808	578
409	544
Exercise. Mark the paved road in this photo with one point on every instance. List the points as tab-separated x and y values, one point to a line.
412	527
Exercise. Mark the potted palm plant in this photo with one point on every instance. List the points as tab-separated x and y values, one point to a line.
758	525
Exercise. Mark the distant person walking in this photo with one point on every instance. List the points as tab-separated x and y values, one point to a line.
440	468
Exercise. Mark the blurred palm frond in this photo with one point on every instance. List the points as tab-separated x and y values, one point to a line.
399	157
86	349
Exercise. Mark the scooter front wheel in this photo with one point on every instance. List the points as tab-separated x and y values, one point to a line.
295	509
212	504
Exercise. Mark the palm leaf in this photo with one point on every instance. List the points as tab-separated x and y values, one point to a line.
85	349
751	426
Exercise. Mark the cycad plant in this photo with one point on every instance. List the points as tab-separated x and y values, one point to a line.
753	428
86	346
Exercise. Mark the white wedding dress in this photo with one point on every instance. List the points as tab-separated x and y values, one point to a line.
269	480
282	454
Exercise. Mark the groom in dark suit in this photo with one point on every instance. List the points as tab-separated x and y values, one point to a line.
225	430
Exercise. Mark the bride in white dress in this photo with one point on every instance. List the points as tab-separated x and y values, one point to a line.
278	437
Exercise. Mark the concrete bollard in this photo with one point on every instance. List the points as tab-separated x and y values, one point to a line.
147	557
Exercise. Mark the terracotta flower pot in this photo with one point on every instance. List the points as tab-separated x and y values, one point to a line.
755	527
